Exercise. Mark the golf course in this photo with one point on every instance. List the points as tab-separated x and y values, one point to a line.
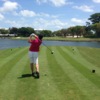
67	74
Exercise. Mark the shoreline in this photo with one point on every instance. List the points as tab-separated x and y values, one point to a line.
72	40
58	39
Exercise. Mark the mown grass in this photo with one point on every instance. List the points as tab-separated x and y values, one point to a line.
64	38
65	75
71	39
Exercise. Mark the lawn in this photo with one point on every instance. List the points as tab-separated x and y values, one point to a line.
63	38
64	75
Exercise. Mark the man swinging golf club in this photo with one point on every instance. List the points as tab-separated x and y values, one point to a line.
33	52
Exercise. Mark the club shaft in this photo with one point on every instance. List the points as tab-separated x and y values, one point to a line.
46	46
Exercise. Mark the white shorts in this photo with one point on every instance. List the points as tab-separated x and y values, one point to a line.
33	57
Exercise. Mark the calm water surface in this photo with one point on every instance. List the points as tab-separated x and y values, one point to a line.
8	43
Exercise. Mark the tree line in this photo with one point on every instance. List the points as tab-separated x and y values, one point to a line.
91	29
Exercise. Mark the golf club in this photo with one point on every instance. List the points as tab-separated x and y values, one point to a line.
44	45
48	48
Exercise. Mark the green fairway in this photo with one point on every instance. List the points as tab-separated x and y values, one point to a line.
64	75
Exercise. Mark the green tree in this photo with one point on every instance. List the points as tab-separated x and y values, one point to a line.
25	31
95	18
57	33
72	31
64	32
79	30
13	30
96	28
87	29
4	31
46	33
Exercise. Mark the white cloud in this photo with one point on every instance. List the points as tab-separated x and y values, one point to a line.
96	1
12	23
46	15
27	13
76	20
57	22
1	17
17	23
56	3
84	8
47	24
41	1
43	14
4	0
15	13
9	6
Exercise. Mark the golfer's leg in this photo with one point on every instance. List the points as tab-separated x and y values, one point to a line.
31	61
37	70
32	67
37	67
36	61
37	64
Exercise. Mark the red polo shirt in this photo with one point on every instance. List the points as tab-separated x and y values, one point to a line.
35	44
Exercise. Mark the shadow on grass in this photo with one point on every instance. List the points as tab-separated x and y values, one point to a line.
25	76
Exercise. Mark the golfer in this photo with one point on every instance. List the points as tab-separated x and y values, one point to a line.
33	53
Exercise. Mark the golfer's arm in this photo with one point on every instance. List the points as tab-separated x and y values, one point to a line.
35	36
30	38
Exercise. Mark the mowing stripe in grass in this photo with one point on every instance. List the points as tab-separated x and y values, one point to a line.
8	86
66	86
46	87
93	60
59	79
27	88
79	58
6	53
90	54
87	87
22	88
3	53
7	66
10	57
81	67
91	65
91	50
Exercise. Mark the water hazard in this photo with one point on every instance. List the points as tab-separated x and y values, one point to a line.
9	43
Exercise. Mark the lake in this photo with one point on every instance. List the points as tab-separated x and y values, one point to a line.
9	43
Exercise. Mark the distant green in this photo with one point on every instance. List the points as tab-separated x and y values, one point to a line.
64	75
64	38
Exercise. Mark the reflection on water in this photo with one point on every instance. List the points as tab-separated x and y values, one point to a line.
67	43
8	43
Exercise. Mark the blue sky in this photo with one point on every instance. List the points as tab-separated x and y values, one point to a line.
46	14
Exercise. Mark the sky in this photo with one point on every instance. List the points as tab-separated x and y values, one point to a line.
46	14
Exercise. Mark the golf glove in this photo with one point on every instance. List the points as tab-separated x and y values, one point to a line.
32	34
